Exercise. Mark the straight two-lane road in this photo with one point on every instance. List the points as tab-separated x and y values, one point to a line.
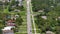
29	25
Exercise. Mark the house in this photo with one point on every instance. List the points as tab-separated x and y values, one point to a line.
10	23
44	17
49	32
16	10
41	10
8	30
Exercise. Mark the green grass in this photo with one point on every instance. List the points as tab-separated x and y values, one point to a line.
23	27
37	29
5	11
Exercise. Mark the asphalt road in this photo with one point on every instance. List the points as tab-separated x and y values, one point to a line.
29	25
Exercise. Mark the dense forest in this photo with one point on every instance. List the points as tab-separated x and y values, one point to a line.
51	9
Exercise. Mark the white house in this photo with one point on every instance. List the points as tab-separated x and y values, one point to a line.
8	30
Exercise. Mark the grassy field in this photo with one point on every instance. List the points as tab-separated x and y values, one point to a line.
23	27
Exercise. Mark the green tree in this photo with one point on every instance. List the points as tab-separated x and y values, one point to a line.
19	21
39	4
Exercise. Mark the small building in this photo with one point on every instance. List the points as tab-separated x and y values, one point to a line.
41	10
16	10
44	17
8	30
10	23
49	32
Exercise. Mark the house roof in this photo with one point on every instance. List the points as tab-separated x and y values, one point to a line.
8	28
10	21
11	24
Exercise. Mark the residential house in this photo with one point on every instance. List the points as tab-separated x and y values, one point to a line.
8	30
10	23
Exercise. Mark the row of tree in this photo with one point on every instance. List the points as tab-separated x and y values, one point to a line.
43	4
